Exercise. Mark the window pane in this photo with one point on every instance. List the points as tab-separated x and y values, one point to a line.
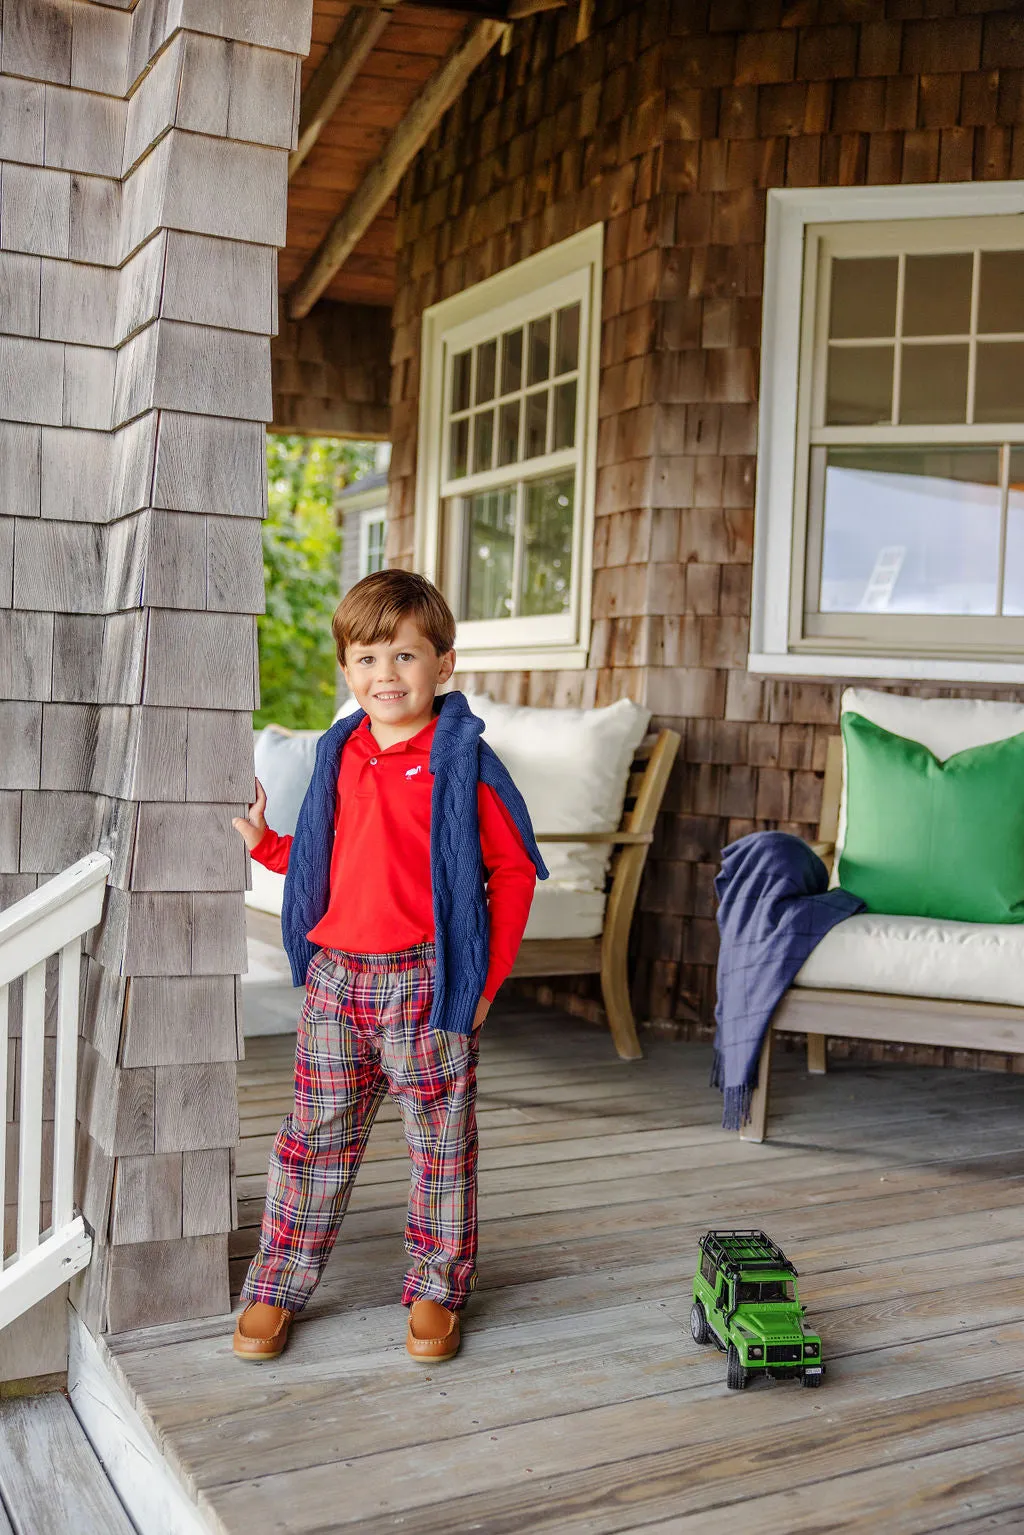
458	451
460	381
859	385
937	295
564	434
999	382
508	432
1001	296
491	544
567	348
540	350
910	530
547	546
486	368
511	361
863	299
536	424
483	440
1013	590
933	384
375	541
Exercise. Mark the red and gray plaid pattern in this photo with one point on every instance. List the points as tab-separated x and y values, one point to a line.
363	1032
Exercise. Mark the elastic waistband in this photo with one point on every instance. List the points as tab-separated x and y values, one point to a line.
417	958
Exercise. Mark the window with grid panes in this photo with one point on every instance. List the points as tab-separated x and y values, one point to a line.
510	508
911	438
373	541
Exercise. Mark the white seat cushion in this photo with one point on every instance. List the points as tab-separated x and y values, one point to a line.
921	957
267	890
558	911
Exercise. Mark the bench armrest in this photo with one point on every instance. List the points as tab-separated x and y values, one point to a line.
619	838
826	851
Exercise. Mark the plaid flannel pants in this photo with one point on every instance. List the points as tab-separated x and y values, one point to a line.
363	1032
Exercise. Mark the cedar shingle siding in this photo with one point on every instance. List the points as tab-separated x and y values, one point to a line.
668	122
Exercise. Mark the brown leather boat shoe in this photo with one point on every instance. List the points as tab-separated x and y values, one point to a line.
434	1332
261	1332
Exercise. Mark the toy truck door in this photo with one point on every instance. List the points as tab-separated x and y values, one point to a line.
721	1307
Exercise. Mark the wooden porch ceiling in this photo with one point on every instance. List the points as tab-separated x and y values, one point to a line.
375	75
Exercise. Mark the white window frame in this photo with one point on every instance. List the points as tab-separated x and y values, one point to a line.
780	513
376	517
564	273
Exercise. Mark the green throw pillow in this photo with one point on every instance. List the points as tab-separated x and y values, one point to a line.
926	838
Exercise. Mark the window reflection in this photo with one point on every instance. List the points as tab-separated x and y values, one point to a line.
490	554
910	530
547	546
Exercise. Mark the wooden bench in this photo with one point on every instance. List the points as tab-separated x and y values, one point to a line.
607	955
895	1018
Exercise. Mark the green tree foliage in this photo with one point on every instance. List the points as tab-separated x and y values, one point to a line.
301	570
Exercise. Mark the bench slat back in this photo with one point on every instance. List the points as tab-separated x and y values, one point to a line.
648	780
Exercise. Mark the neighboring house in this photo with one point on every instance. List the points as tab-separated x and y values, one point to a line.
549	257
363	511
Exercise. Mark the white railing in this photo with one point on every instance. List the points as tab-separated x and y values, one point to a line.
50	921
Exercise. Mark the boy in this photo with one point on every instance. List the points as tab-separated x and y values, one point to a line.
385	918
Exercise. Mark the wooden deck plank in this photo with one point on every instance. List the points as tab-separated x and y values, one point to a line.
723	1461
50	1479
605	1354
579	1403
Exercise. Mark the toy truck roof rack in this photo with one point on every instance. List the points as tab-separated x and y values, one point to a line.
746	1251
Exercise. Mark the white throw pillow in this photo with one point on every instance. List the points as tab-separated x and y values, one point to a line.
945	725
284	766
571	767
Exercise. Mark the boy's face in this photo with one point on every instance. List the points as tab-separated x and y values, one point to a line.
395	680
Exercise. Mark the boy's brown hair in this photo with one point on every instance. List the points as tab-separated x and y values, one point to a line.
372	611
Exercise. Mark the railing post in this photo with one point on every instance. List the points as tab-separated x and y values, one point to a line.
4	1054
64	1122
30	1152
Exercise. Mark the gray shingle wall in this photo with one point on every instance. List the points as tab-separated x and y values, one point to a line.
140	209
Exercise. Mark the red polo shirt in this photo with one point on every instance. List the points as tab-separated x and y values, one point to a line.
381	897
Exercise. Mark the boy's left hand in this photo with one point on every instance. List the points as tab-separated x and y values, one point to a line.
483	1007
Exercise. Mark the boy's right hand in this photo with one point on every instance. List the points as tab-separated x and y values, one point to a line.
252	826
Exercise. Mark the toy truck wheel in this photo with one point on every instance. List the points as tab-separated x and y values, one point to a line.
736	1376
811	1380
699	1328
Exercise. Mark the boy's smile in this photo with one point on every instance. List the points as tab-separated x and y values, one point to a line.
395	681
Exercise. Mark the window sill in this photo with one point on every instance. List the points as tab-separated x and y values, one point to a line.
906	668
563	659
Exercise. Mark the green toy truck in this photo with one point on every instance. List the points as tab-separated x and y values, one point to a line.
745	1302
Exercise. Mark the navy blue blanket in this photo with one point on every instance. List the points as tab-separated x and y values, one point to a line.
774	908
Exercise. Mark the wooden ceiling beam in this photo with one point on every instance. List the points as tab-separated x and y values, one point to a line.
386	172
499	10
353	42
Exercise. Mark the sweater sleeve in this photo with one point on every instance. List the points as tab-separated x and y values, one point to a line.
511	878
272	851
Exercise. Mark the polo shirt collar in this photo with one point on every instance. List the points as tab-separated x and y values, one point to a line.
420	743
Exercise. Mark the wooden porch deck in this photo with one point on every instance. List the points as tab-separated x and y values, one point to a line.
579	1403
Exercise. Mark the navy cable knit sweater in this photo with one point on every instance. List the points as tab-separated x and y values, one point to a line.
459	761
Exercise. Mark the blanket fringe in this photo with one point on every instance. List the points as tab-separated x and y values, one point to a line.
735	1100
736	1107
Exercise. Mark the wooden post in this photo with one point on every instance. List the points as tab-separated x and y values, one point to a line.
133	397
